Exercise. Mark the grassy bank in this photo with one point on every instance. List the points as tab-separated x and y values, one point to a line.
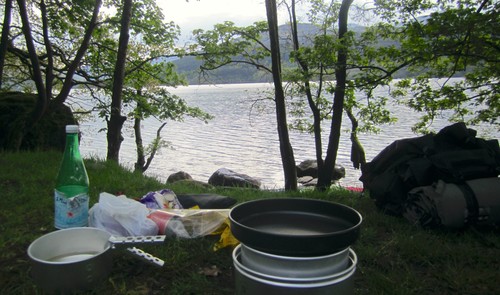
394	256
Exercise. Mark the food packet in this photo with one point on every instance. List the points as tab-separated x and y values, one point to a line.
162	199
188	223
194	223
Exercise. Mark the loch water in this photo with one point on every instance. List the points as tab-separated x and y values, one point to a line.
242	137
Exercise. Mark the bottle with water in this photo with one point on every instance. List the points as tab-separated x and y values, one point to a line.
71	194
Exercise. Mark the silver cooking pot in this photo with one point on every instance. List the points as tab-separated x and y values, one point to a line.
77	258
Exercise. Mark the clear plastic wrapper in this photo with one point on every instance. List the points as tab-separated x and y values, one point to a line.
189	223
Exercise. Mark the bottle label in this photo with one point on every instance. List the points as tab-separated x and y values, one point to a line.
71	212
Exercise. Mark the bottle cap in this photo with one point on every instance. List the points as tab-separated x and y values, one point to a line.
72	128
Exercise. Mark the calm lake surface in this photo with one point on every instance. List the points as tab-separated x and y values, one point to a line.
241	138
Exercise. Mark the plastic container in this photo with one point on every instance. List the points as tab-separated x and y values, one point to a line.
71	194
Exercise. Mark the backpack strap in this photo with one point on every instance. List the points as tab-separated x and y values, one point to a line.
471	200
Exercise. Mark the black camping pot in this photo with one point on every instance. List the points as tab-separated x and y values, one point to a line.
295	226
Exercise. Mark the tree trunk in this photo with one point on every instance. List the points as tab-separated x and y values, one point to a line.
325	172
307	87
42	101
49	74
141	159
4	41
358	157
116	120
286	149
142	164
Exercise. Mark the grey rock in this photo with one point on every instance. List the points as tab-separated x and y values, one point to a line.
195	184
310	168
226	177
181	175
305	179
313	182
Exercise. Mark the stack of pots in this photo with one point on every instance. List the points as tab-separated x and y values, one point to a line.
294	246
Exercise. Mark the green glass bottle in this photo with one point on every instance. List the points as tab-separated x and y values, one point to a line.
71	194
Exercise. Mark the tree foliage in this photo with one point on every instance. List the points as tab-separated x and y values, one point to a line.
78	57
230	44
424	39
444	40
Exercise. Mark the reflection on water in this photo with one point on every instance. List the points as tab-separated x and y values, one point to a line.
240	138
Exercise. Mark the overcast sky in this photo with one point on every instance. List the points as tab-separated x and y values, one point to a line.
204	14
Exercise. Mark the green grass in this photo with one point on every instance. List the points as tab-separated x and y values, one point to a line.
394	256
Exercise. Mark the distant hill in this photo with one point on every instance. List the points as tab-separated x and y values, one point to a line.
189	66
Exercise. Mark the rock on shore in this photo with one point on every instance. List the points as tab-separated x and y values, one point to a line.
307	173
227	177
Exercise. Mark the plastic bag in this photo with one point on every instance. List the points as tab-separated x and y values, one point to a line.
189	223
121	216
193	223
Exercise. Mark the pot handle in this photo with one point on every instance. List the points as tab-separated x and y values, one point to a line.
134	240
146	256
126	242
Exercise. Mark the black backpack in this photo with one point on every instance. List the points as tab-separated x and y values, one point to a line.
453	155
